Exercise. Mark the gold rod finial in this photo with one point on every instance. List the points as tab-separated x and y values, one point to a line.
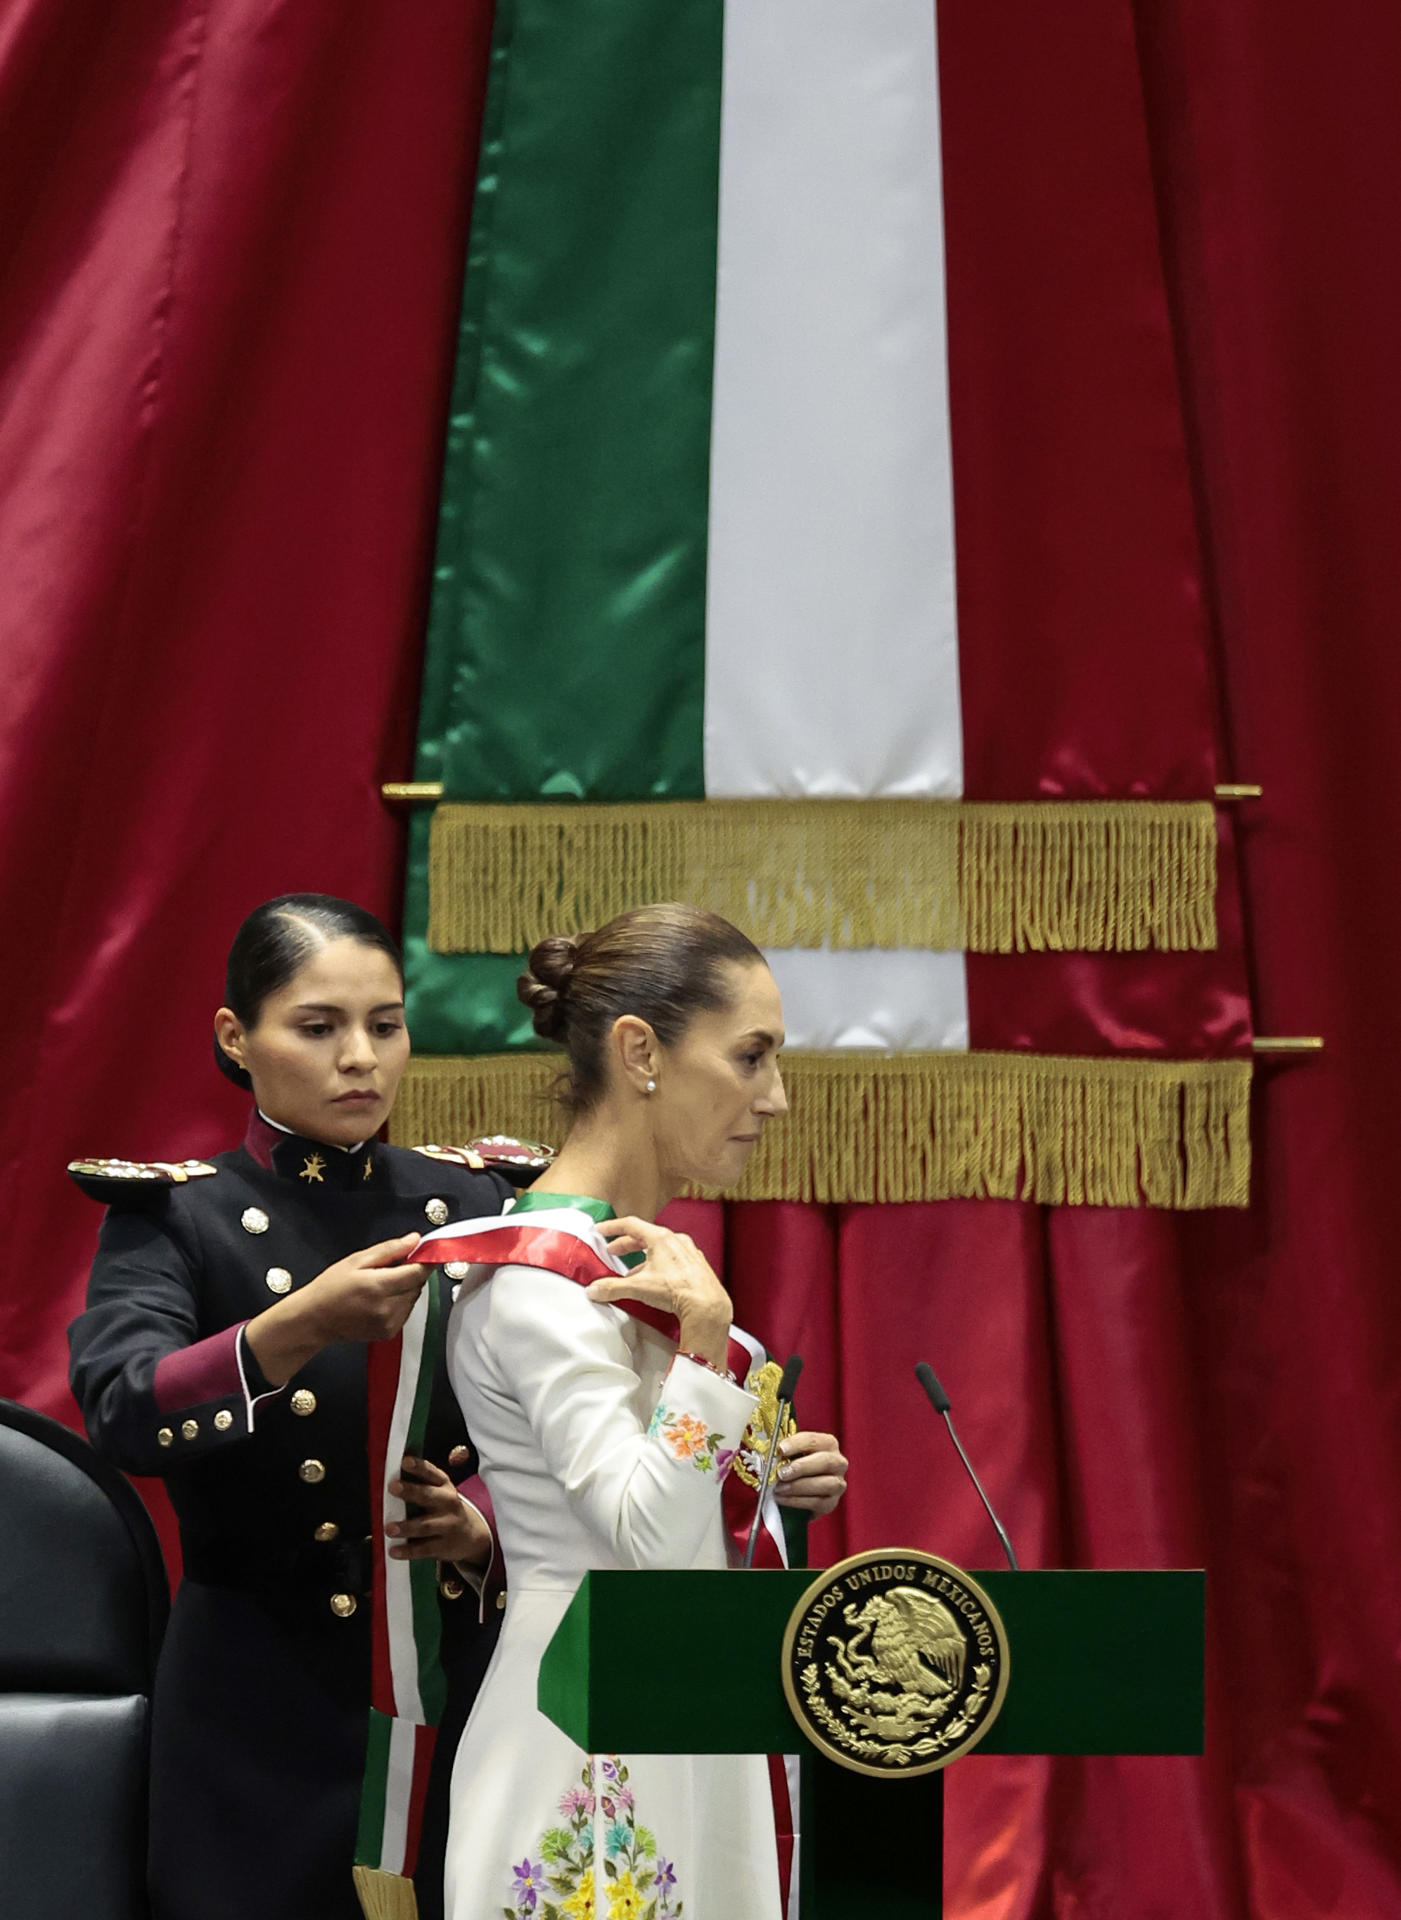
411	792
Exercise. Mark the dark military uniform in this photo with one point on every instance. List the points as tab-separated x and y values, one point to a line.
259	1721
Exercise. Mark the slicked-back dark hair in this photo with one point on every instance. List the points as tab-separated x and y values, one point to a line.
663	963
274	944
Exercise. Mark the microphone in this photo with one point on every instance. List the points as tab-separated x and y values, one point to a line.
786	1387
939	1400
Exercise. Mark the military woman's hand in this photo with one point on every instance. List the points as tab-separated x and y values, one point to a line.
445	1526
367	1296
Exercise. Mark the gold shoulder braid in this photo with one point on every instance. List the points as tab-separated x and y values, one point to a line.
168	1173
749	1461
454	1156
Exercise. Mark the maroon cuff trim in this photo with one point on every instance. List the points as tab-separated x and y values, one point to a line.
195	1375
494	1579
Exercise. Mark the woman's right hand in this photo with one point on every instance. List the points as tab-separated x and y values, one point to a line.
367	1296
675	1276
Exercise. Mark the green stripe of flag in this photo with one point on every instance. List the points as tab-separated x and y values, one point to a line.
455	1002
567	636
369	1839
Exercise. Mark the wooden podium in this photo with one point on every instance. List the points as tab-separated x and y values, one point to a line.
1100	1663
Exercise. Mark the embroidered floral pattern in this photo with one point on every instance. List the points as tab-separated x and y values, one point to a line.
689	1438
602	1828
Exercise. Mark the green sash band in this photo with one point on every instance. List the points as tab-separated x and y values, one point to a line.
532	1202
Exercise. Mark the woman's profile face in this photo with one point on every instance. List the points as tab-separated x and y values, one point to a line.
329	1048
719	1086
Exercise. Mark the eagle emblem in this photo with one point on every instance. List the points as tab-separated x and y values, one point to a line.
895	1662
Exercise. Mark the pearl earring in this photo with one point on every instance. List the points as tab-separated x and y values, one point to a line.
651	1086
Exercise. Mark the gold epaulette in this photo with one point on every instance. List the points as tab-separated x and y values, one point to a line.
108	1180
519	1160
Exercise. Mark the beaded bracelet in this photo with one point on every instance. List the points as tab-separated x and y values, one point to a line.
725	1373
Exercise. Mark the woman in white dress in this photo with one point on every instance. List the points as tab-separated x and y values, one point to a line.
605	1443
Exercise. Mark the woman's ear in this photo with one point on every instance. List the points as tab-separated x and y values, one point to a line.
228	1033
637	1051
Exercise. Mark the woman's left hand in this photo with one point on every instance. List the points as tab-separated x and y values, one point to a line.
813	1474
445	1527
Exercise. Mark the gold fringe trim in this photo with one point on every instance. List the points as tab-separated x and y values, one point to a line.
1060	1129
1076	875
385	1896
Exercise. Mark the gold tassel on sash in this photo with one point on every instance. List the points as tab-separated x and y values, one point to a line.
385	1896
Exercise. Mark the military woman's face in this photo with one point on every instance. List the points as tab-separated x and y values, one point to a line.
329	1048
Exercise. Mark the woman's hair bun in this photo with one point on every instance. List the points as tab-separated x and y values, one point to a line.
546	983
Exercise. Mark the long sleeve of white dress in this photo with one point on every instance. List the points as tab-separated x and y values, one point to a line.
559	1377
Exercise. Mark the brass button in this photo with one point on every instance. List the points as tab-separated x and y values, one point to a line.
223	1420
328	1530
254	1220
451	1587
190	1429
500	1603
459	1456
165	1437
303	1401
343	1605
278	1279
312	1472
457	1269
437	1211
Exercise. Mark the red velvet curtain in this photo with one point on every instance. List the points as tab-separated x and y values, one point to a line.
234	234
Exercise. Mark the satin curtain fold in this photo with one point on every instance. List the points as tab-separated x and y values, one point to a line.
234	233
226	326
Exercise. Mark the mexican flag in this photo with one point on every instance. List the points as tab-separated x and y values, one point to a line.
740	598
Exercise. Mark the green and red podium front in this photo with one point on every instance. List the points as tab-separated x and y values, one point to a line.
1101	1663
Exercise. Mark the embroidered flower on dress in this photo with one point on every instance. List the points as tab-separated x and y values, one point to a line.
616	1838
689	1438
625	1898
640	1882
530	1883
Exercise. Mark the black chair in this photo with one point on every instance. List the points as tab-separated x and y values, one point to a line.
83	1605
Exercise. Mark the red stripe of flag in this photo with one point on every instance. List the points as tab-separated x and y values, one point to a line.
383	1385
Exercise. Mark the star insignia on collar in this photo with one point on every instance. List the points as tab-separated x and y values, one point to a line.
313	1168
369	1163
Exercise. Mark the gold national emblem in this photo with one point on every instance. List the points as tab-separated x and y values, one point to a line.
895	1663
754	1448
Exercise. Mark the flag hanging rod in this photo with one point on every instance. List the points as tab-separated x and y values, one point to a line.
1287	1043
412	793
